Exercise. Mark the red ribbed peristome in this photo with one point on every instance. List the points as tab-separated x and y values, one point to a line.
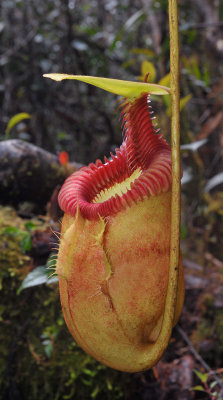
142	148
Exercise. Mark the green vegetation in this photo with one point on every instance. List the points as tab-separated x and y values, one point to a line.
124	40
39	359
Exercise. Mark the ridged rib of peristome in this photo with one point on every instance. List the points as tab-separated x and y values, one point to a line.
142	148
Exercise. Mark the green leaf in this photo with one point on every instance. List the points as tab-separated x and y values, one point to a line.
48	347
95	392
167	103
129	63
147	67
89	372
199	388
26	242
165	80
184	101
146	52
202	377
30	225
12	230
109	384
38	276
15	120
213	384
116	86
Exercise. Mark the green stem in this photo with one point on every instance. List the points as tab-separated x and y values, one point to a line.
175	146
155	351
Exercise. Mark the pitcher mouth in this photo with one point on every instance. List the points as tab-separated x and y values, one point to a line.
140	168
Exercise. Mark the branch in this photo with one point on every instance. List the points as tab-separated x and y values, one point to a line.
198	357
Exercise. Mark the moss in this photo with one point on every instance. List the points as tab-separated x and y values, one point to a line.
12	261
39	359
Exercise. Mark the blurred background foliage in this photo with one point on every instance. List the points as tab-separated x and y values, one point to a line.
119	39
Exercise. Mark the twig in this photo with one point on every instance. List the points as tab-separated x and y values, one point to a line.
198	357
216	371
